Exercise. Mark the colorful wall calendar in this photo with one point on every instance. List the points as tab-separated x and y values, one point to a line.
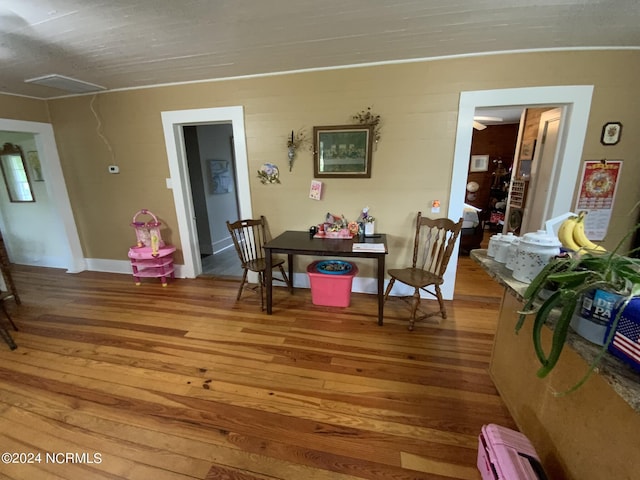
596	195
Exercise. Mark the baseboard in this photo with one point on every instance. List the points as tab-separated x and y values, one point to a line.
300	280
48	262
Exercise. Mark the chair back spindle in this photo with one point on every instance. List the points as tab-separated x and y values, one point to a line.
248	237
434	243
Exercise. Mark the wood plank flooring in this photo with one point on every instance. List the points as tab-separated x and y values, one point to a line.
116	381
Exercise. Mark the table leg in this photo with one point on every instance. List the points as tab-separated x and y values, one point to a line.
268	280
381	260
290	265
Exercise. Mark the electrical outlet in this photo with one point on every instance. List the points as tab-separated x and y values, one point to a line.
114	169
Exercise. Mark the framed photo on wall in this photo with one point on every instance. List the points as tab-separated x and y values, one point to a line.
611	133
342	151
528	150
220	177
479	163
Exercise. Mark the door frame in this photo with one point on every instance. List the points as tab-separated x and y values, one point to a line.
576	99
172	123
542	148
55	185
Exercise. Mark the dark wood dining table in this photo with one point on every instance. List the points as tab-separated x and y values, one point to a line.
302	243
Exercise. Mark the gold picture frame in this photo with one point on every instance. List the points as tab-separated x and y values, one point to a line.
342	151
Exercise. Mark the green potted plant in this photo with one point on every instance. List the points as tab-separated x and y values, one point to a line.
568	277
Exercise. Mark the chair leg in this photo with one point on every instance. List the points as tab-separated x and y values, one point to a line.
443	311
4	333
242	282
389	287
6	336
414	308
286	279
6	313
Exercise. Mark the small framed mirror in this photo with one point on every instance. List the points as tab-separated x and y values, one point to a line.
16	176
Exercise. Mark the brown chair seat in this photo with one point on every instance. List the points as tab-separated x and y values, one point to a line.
416	277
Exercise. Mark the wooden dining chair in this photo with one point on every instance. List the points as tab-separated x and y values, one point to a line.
249	236
432	247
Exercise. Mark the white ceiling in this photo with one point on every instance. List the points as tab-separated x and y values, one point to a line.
123	44
498	115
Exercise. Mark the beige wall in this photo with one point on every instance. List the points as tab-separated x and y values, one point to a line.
418	103
22	108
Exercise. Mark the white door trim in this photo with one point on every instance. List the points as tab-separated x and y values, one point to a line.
172	122
55	184
577	99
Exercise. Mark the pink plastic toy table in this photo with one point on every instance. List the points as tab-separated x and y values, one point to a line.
147	264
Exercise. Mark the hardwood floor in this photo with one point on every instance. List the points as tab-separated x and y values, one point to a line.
184	382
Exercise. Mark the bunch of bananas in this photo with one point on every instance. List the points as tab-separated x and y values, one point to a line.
572	236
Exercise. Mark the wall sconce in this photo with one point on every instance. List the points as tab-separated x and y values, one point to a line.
294	142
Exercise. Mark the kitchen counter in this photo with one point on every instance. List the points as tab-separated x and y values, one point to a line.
622	378
589	434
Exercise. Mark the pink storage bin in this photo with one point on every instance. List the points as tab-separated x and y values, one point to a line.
330	290
504	454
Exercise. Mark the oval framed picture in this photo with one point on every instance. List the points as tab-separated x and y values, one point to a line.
611	133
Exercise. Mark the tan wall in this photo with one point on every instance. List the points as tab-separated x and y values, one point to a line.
412	165
22	108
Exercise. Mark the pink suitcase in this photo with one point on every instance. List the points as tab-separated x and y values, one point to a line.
504	454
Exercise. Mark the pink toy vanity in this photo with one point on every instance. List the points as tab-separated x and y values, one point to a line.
150	257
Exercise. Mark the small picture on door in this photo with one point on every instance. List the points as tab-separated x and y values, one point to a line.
220	177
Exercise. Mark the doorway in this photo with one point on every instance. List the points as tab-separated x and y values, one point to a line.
212	178
173	123
576	99
50	216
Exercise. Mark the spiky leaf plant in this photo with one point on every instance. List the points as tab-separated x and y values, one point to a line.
569	277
